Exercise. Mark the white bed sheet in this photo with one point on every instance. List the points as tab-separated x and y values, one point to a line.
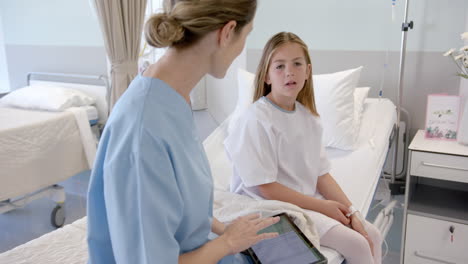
68	245
40	148
368	159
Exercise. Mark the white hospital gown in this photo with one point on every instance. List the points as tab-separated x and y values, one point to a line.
269	144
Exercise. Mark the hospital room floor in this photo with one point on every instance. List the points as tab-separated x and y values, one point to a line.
32	221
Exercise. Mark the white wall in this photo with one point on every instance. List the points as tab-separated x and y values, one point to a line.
466	24
51	36
463	89
342	34
4	79
50	23
222	93
360	25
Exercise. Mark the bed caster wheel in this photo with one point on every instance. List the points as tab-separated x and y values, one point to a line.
57	218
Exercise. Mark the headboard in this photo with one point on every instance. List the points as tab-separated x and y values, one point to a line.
94	85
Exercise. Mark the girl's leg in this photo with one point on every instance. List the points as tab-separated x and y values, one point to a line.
352	245
376	238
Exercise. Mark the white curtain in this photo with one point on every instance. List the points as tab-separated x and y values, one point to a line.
148	54
4	77
121	24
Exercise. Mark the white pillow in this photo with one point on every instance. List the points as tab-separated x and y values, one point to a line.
246	89
334	98
97	92
335	104
221	166
360	94
47	97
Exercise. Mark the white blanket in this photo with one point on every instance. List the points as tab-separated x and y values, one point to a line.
228	206
64	245
87	138
40	148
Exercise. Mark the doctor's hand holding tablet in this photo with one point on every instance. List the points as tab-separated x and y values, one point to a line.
245	232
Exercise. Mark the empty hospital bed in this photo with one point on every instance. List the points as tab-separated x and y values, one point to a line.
39	148
68	245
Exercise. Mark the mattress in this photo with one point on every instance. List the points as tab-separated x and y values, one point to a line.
68	245
379	117
38	149
92	114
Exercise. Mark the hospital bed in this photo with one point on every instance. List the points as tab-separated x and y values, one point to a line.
39	149
357	171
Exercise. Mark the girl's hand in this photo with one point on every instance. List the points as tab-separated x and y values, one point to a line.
242	232
358	226
335	210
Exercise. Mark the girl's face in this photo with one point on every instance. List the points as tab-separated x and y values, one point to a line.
288	71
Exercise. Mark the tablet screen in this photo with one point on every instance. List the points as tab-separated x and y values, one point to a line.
291	246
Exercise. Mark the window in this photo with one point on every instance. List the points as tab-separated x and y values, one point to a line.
148	54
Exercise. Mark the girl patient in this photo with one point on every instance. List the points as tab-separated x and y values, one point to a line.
276	151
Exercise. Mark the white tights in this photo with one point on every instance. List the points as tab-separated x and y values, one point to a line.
352	245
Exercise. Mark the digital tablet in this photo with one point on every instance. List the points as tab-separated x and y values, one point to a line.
291	246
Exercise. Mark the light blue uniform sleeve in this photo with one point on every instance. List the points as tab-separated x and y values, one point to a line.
146	203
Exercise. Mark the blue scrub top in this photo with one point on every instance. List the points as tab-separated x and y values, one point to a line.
151	192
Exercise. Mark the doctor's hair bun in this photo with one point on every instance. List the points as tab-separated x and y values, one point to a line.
184	22
161	30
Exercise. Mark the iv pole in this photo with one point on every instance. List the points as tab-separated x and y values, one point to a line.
404	28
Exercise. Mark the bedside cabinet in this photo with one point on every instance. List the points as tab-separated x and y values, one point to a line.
435	224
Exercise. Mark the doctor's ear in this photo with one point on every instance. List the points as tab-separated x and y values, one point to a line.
226	33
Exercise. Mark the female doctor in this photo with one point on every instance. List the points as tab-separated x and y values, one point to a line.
151	193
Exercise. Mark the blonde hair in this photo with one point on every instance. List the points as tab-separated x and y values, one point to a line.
306	95
184	22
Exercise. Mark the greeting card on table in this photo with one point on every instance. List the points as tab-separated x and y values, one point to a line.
442	116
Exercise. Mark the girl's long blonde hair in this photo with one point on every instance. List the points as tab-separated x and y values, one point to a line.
306	95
